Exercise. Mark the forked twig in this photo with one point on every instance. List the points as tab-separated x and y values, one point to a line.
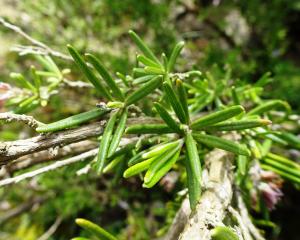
38	48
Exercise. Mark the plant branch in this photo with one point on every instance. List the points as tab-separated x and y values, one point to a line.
12	117
38	48
77	84
246	218
210	211
46	156
15	149
58	164
18	148
181	218
243	227
51	230
12	213
215	199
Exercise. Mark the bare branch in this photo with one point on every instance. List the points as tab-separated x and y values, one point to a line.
77	84
50	167
15	149
18	148
181	218
47	156
40	48
21	209
243	227
215	199
10	117
51	230
245	216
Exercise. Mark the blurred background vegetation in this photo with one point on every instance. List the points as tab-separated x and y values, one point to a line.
248	38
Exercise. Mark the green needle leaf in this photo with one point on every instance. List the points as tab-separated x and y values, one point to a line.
48	63
235	97
242	164
159	162
118	133
143	91
165	61
182	97
218	116
138	168
286	167
149	129
113	163
160	149
94	229
88	73
136	158
223	233
167	118
26	84
104	145
36	78
175	103
282	173
269	105
222	143
174	55
148	62
143	47
158	174
105	75
139	72
290	138
72	121
283	160
80	238
238	125
28	105
193	168
142	79
154	70
123	151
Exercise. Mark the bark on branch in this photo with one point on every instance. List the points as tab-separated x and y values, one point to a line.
215	199
10	117
25	207
53	166
15	149
47	156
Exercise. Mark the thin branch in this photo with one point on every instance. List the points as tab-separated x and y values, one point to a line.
50	167
51	230
243	227
246	218
11	117
47	156
12	213
18	148
43	48
181	218
15	149
76	84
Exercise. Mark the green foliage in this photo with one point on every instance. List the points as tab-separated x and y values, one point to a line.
242	87
72	121
94	229
223	233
